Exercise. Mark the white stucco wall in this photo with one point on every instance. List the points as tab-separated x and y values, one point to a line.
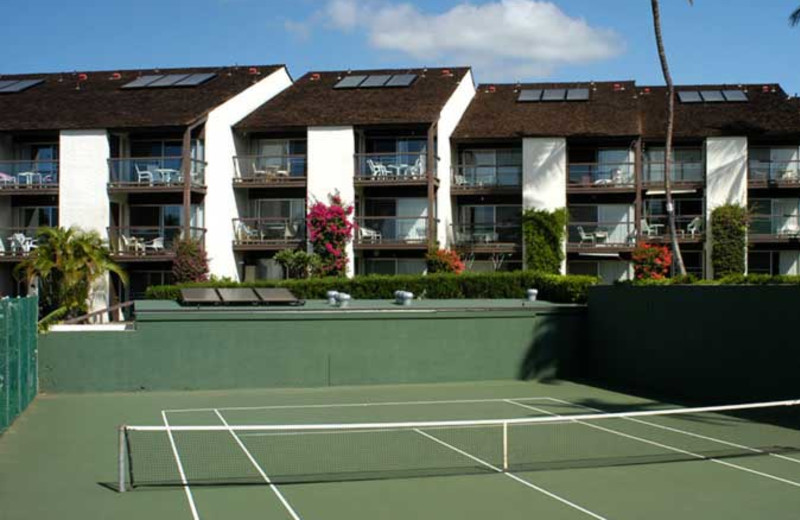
83	179
449	117
726	180
220	148
331	169
544	176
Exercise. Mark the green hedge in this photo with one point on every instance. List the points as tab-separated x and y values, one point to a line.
728	240
552	288
733	279
543	232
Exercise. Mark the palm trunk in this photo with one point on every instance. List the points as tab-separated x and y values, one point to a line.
673	235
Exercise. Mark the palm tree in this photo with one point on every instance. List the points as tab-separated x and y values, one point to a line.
676	251
794	18
66	263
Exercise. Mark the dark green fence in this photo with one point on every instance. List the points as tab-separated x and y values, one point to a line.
18	366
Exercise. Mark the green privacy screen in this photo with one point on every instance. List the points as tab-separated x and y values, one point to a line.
18	367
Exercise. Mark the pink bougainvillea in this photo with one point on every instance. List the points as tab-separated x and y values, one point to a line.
329	230
651	262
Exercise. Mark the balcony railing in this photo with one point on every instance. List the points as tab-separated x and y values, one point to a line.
777	172
601	175
268	231
467	177
681	172
601	234
17	241
270	169
774	227
154	172
28	175
380	168
688	227
487	233
391	230
147	241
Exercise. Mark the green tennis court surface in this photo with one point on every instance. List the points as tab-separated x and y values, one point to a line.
59	460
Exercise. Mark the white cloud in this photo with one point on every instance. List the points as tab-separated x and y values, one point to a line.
300	31
511	38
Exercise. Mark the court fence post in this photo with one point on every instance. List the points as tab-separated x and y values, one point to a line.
505	446
121	459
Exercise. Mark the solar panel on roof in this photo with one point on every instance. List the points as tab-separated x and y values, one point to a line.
19	86
278	296
143	81
195	79
689	96
734	95
168	80
199	295
377	80
238	295
712	96
401	80
554	94
530	95
7	82
578	94
350	82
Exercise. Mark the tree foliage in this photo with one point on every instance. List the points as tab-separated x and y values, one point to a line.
297	263
444	261
190	263
544	239
728	240
329	231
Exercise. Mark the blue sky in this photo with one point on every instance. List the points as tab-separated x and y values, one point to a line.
730	41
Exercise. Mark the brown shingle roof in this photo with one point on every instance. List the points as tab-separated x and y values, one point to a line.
768	113
495	112
99	102
312	101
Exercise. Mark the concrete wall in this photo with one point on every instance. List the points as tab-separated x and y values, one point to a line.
448	120
544	176
82	190
726	180
250	349
220	202
331	169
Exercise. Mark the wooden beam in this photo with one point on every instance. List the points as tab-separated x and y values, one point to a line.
432	164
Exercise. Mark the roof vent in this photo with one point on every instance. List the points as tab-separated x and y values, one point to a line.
765	88
253	71
618	87
315	76
646	90
83	76
446	72
491	89
115	76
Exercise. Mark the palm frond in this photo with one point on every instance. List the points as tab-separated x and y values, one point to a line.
794	18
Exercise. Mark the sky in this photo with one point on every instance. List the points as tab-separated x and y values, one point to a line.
714	41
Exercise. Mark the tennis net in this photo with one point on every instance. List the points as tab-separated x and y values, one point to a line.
278	454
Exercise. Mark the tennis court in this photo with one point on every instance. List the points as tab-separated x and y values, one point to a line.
476	450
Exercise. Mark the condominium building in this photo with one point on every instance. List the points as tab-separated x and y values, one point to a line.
234	156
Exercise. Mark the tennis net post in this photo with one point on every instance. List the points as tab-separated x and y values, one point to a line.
121	456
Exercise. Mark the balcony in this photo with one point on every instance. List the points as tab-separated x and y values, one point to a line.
269	171
774	228
683	174
391	169
147	174
779	174
268	234
599	236
470	179
488	237
601	177
16	243
148	243
391	233
29	177
689	228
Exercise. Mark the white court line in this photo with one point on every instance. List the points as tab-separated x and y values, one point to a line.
182	474
272	486
686	432
367	430
667	446
357	405
513	477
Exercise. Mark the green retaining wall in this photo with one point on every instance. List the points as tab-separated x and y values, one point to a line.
699	343
174	348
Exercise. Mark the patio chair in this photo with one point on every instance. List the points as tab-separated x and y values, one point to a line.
368	234
694	227
245	233
789	229
144	175
460	179
416	170
6	179
20	242
647	230
156	245
586	237
377	169
131	244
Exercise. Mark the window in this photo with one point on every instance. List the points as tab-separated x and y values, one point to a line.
34	217
486	223
393	266
489	167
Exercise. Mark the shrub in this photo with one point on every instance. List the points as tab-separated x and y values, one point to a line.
552	288
444	261
651	262
329	231
297	263
543	235
190	263
728	240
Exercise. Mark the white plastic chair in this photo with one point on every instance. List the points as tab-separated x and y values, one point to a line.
377	169
694	227
370	235
143	175
586	237
157	244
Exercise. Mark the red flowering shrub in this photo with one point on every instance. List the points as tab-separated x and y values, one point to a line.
329	231
651	262
190	263
444	261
